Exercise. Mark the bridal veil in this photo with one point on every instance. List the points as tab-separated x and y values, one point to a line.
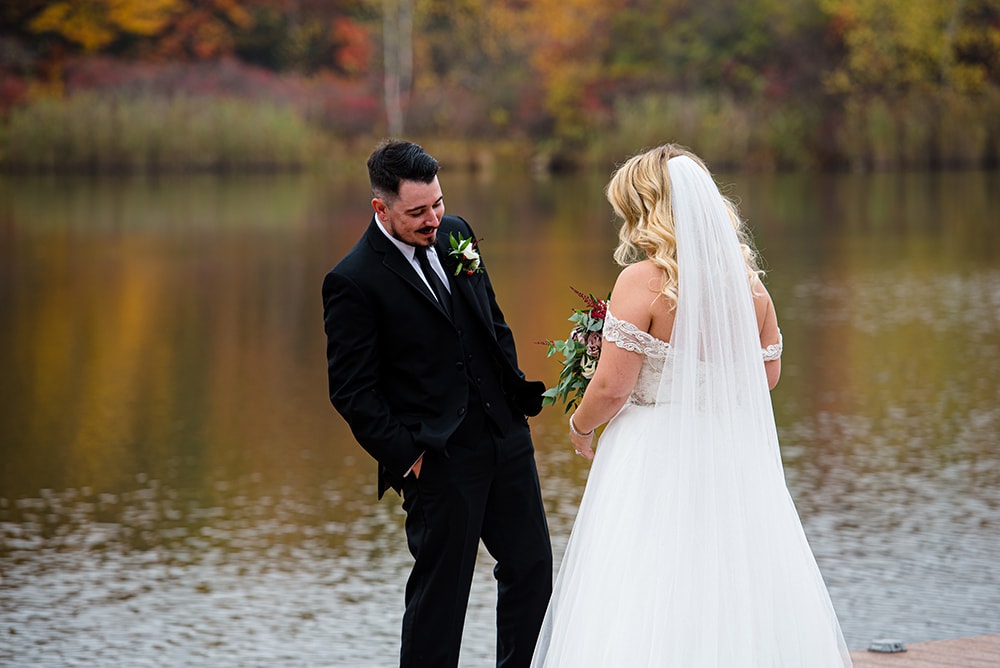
743	583
687	551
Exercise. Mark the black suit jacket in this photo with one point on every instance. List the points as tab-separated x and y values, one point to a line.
394	358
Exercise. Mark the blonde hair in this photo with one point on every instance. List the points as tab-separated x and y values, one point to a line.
639	192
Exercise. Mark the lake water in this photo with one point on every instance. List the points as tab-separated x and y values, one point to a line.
175	488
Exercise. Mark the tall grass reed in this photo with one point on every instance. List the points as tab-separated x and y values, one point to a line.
155	133
944	130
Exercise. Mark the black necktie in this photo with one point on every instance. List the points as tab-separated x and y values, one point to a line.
439	289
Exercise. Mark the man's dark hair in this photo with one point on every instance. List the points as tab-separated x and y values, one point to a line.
394	161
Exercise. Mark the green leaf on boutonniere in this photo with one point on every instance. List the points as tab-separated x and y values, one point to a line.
466	253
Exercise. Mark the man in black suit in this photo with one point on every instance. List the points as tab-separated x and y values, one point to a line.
423	368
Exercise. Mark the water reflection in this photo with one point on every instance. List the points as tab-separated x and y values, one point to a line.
176	490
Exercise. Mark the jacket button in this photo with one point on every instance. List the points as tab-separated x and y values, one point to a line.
461	411
488	405
459	365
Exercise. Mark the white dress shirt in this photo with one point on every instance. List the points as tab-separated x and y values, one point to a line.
410	253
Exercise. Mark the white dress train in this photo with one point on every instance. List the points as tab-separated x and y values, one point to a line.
680	559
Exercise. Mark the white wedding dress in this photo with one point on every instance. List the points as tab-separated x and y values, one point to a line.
687	551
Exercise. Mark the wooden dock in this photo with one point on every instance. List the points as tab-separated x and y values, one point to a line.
978	652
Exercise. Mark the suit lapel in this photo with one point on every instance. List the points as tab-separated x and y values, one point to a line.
467	286
393	260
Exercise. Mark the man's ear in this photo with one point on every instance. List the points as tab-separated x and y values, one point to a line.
380	208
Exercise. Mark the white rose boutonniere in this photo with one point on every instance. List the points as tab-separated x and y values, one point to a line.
466	252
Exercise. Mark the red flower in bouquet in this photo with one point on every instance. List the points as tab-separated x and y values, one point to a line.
580	352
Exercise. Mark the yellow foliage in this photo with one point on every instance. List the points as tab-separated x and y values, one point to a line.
94	24
141	17
81	22
892	44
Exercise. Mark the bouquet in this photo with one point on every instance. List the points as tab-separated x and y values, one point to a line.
580	352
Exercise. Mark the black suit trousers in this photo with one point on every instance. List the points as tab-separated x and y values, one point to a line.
489	491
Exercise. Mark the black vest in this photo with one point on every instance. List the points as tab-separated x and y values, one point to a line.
487	407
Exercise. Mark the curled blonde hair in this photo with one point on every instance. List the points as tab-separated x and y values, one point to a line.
639	192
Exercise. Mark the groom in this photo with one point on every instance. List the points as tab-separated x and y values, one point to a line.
422	367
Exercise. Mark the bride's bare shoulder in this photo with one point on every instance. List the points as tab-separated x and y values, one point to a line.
635	293
641	275
637	283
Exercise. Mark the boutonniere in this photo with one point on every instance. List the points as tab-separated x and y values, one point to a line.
466	254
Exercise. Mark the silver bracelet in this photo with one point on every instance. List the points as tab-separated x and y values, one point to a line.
573	430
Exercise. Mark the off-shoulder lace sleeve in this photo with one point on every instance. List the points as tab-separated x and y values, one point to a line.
773	351
627	336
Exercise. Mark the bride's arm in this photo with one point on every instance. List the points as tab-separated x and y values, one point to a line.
617	368
767	323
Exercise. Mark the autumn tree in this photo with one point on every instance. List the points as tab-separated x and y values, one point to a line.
308	36
975	37
475	52
95	24
895	46
571	41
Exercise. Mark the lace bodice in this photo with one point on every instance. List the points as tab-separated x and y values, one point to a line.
656	353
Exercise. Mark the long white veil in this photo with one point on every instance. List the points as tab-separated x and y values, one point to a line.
747	575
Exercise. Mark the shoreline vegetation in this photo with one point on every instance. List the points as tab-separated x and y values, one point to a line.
96	86
151	133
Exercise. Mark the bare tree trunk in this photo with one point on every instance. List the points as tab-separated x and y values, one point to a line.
405	49
948	52
397	52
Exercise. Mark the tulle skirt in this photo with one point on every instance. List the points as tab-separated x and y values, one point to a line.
687	555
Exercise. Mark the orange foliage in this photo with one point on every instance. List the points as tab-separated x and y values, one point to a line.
354	53
198	33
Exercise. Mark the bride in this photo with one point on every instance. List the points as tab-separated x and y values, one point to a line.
687	551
